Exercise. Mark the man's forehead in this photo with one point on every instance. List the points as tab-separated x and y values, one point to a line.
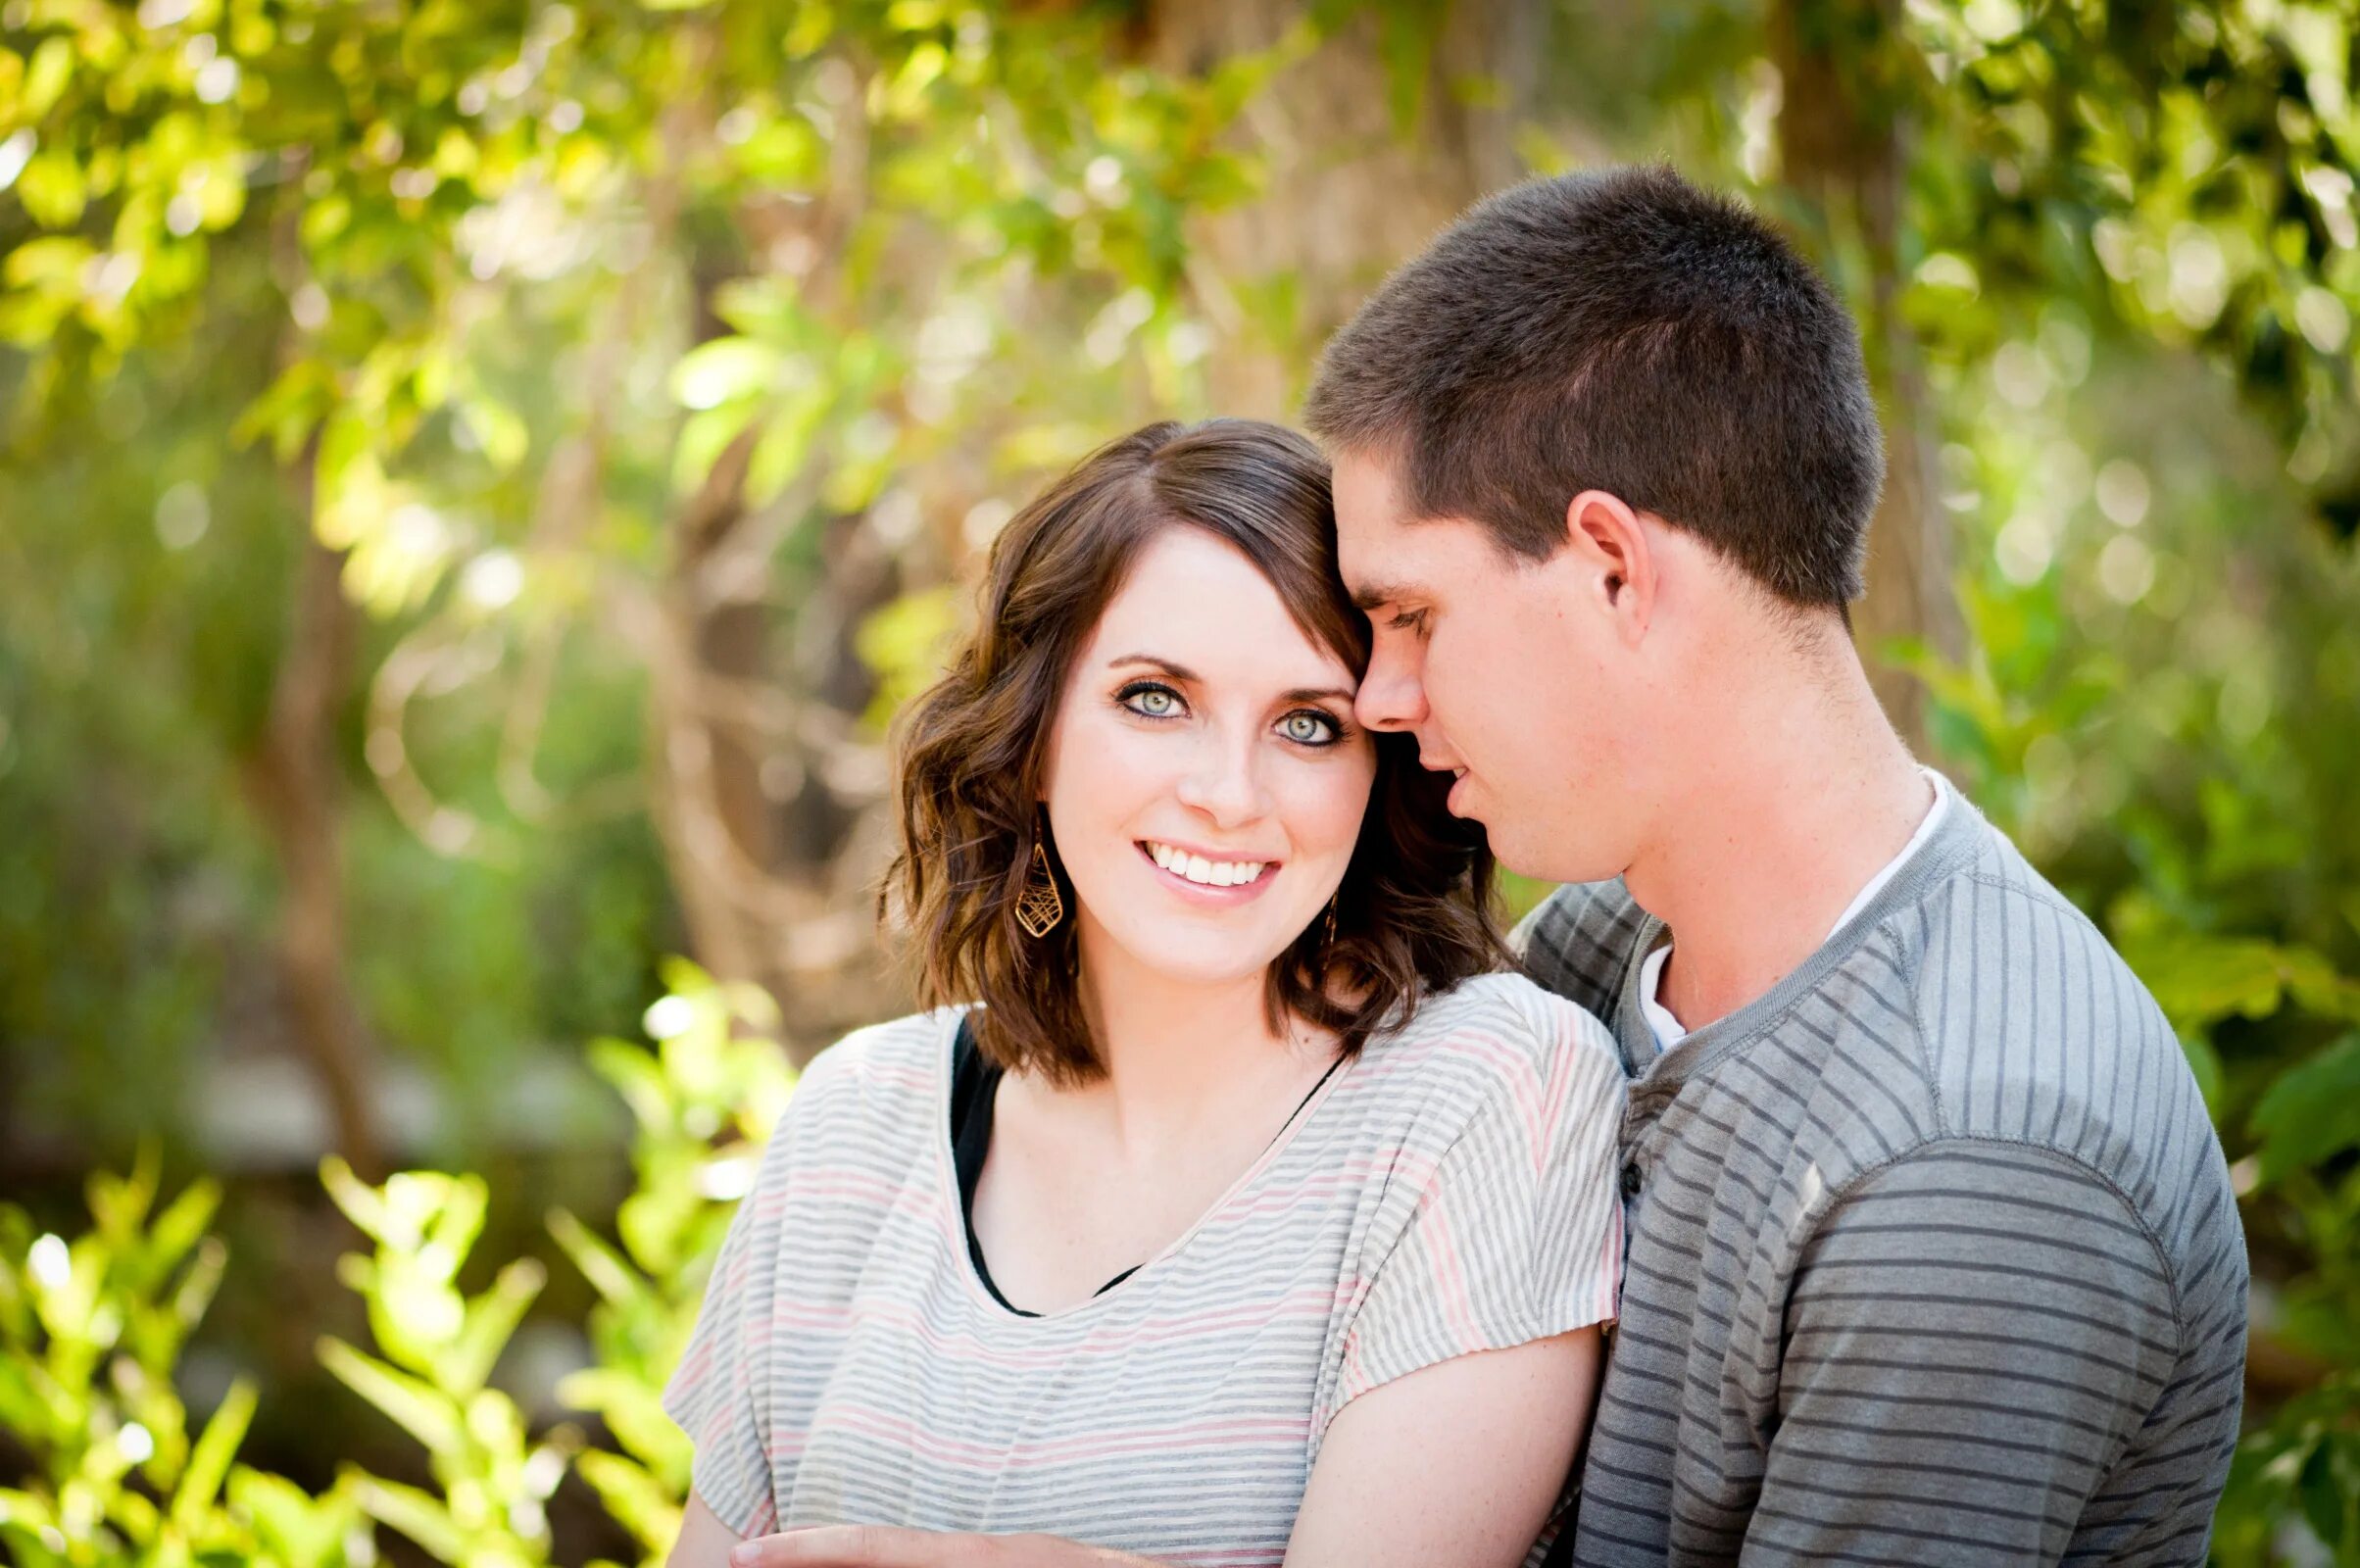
1384	552
1368	487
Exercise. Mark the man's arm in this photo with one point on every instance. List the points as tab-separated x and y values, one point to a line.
1461	1462
1975	1334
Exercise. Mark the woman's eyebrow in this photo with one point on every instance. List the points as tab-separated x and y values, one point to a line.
1176	672
1301	694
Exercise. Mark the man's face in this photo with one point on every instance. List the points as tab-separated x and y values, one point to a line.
1506	671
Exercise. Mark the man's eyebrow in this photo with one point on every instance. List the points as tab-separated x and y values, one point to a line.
1371	595
1176	672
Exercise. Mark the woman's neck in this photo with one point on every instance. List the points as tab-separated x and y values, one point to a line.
1180	1052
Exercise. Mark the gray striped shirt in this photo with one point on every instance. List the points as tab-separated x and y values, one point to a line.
1933	1253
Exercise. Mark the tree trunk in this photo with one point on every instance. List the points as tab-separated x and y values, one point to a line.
292	779
1351	192
1842	149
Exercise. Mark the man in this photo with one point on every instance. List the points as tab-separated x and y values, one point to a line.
1932	1253
1933	1257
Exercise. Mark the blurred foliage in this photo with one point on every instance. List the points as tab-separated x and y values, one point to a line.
90	1334
575	330
90	1331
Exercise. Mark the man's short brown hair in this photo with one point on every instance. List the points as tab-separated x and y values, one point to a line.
1412	913
1620	331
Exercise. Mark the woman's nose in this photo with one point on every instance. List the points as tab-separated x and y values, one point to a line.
1225	784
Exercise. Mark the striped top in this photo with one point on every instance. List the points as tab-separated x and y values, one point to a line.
1450	1189
1933	1253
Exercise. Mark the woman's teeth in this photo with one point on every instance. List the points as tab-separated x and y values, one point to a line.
1197	868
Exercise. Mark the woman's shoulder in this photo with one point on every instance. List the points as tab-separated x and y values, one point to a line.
883	1081
886	1052
1494	1045
1507	1017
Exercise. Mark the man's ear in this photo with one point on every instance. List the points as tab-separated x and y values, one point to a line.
1609	548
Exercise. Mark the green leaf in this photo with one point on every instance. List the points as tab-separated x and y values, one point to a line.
637	1500
614	1279
724	370
2312	1111
419	1515
2323	1502
410	1402
54	260
294	1528
53	191
639	1078
497	429
361	1203
491	1318
46	78
182	1223
209	1460
2199	979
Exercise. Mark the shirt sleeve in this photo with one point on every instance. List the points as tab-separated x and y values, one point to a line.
1973	1338
1515	1234
715	1396
1577	942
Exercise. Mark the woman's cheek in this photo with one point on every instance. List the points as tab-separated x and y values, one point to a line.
1328	796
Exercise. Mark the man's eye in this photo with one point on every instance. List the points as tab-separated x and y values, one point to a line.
1309	728
1407	620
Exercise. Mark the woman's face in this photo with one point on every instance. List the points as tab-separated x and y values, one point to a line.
1205	780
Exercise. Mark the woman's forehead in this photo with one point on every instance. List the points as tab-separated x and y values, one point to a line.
1195	600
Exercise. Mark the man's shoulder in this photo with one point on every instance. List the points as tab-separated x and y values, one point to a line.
1578	941
2037	1034
2016	993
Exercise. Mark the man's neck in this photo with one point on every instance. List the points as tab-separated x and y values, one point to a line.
1762	858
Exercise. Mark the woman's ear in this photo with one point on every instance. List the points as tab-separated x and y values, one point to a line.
1610	550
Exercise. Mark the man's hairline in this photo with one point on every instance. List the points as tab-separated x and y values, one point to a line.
1805	623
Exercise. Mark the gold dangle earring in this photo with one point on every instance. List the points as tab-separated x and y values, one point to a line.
1040	905
1331	919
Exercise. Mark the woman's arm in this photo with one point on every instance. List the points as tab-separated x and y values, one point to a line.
705	1540
1461	1462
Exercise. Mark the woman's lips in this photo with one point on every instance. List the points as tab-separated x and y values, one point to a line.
1208	893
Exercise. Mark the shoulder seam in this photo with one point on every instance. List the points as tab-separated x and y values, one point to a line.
1925	1038
1838	1197
2038	895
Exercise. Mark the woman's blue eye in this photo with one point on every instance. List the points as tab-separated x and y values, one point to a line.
1152	702
1307	728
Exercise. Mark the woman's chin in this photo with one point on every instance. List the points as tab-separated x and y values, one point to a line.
1185	959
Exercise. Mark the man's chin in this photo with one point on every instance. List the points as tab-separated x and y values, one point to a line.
1537	863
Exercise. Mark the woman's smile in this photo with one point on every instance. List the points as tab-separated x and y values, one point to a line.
1207	878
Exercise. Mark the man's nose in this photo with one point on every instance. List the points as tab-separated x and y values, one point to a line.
1391	697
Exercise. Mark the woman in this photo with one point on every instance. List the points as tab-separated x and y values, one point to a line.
1184	1239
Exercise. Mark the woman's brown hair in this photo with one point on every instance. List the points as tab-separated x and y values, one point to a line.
1414	914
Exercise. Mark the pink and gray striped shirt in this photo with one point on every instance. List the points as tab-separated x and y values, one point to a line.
1451	1189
